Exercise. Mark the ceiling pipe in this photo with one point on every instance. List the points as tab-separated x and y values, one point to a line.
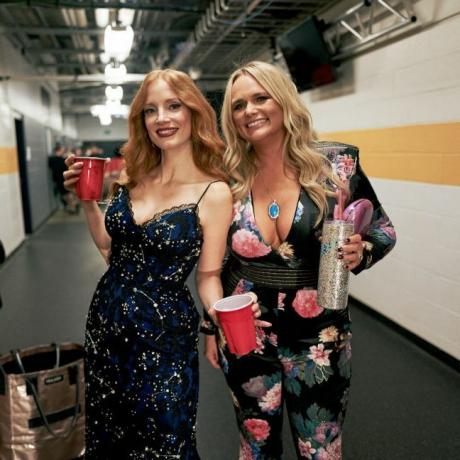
71	31
212	22
129	78
142	5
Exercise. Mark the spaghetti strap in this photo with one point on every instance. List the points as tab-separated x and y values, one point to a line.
205	190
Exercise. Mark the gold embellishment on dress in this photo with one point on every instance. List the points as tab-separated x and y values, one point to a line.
285	250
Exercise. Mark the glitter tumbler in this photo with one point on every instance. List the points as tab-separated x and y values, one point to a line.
333	276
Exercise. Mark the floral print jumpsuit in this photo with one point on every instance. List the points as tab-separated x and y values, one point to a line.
303	359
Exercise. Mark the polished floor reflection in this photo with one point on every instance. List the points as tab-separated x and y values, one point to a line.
405	404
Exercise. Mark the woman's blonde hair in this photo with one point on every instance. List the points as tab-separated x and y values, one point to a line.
311	167
142	156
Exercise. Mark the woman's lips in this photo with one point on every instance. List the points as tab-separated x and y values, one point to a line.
256	123
166	132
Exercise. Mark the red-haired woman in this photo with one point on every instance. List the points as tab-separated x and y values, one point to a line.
171	209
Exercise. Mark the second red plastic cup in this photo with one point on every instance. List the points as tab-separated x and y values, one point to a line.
237	321
89	185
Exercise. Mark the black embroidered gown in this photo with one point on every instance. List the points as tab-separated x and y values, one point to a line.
141	338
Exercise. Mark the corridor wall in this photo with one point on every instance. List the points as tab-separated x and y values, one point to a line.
400	105
22	100
89	129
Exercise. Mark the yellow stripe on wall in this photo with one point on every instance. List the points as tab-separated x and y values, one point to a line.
421	153
8	160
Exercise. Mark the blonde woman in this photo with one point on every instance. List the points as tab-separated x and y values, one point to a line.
171	211
284	185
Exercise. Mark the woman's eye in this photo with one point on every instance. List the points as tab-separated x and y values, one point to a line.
175	106
261	99
238	106
149	111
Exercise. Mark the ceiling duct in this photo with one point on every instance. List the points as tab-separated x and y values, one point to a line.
231	31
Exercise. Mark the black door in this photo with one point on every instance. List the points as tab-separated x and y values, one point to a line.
22	160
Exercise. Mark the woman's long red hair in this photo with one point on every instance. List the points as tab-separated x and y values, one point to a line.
142	156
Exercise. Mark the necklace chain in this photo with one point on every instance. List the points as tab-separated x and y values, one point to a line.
273	208
266	188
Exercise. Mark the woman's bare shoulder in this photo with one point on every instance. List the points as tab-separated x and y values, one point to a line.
218	193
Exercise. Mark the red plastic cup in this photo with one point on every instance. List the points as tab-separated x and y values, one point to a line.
237	321
89	185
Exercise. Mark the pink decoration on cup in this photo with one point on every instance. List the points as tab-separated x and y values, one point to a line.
359	213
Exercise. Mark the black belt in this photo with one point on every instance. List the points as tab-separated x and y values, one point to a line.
269	276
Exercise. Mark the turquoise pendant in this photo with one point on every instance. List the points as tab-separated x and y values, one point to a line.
273	210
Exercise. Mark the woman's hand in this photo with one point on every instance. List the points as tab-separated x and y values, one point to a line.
210	351
351	253
257	312
72	174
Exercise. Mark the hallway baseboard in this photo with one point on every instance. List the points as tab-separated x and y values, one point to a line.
428	347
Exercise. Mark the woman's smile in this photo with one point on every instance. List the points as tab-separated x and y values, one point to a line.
166	132
257	123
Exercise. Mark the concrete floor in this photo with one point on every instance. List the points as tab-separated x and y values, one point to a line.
405	404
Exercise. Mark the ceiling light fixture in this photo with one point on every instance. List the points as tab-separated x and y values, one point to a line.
126	16
114	93
105	119
116	109
103	113
118	41
104	57
110	109
195	73
115	74
102	17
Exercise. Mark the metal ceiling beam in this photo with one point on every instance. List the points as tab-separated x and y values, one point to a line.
71	51
21	38
355	28
215	20
129	78
72	65
66	31
92	4
61	51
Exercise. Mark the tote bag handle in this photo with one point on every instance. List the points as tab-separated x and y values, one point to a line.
17	357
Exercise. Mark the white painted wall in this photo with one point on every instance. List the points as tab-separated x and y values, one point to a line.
22	98
418	284
413	81
69	127
12	224
89	129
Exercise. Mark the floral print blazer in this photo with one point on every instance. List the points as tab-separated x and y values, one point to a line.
380	234
302	247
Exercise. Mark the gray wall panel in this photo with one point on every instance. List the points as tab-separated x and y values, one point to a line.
38	177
